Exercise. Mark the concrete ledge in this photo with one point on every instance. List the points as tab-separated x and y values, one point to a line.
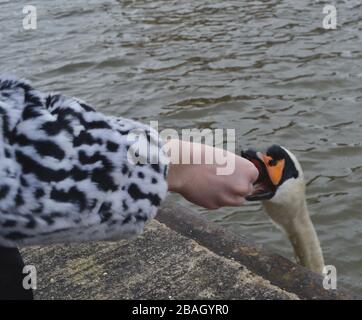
180	256
280	271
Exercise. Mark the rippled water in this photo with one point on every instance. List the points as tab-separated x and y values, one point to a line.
266	68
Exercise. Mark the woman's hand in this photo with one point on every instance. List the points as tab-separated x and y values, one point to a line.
201	183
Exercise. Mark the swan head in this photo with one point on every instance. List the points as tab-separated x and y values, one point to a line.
281	178
281	188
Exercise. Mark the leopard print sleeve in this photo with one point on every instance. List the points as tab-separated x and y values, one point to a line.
69	173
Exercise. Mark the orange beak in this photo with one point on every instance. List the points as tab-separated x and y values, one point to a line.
275	171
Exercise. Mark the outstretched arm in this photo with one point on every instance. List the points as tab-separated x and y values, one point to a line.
66	174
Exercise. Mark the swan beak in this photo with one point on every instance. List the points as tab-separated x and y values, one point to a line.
264	189
270	174
275	171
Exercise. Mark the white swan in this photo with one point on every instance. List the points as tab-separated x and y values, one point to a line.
281	187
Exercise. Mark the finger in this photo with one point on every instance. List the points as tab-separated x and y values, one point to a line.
235	201
254	174
249	169
243	190
251	189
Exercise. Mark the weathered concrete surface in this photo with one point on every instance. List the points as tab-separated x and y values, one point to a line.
160	264
278	270
196	260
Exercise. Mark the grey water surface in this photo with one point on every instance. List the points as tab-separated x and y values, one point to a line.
266	68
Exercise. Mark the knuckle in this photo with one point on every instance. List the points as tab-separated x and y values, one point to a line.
254	172
241	189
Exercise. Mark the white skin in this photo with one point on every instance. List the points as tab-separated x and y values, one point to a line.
200	183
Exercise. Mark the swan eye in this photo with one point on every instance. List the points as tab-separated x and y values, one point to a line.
272	162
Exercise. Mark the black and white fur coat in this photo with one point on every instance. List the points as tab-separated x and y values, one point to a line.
65	174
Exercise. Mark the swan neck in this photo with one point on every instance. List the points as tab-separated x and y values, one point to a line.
304	240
